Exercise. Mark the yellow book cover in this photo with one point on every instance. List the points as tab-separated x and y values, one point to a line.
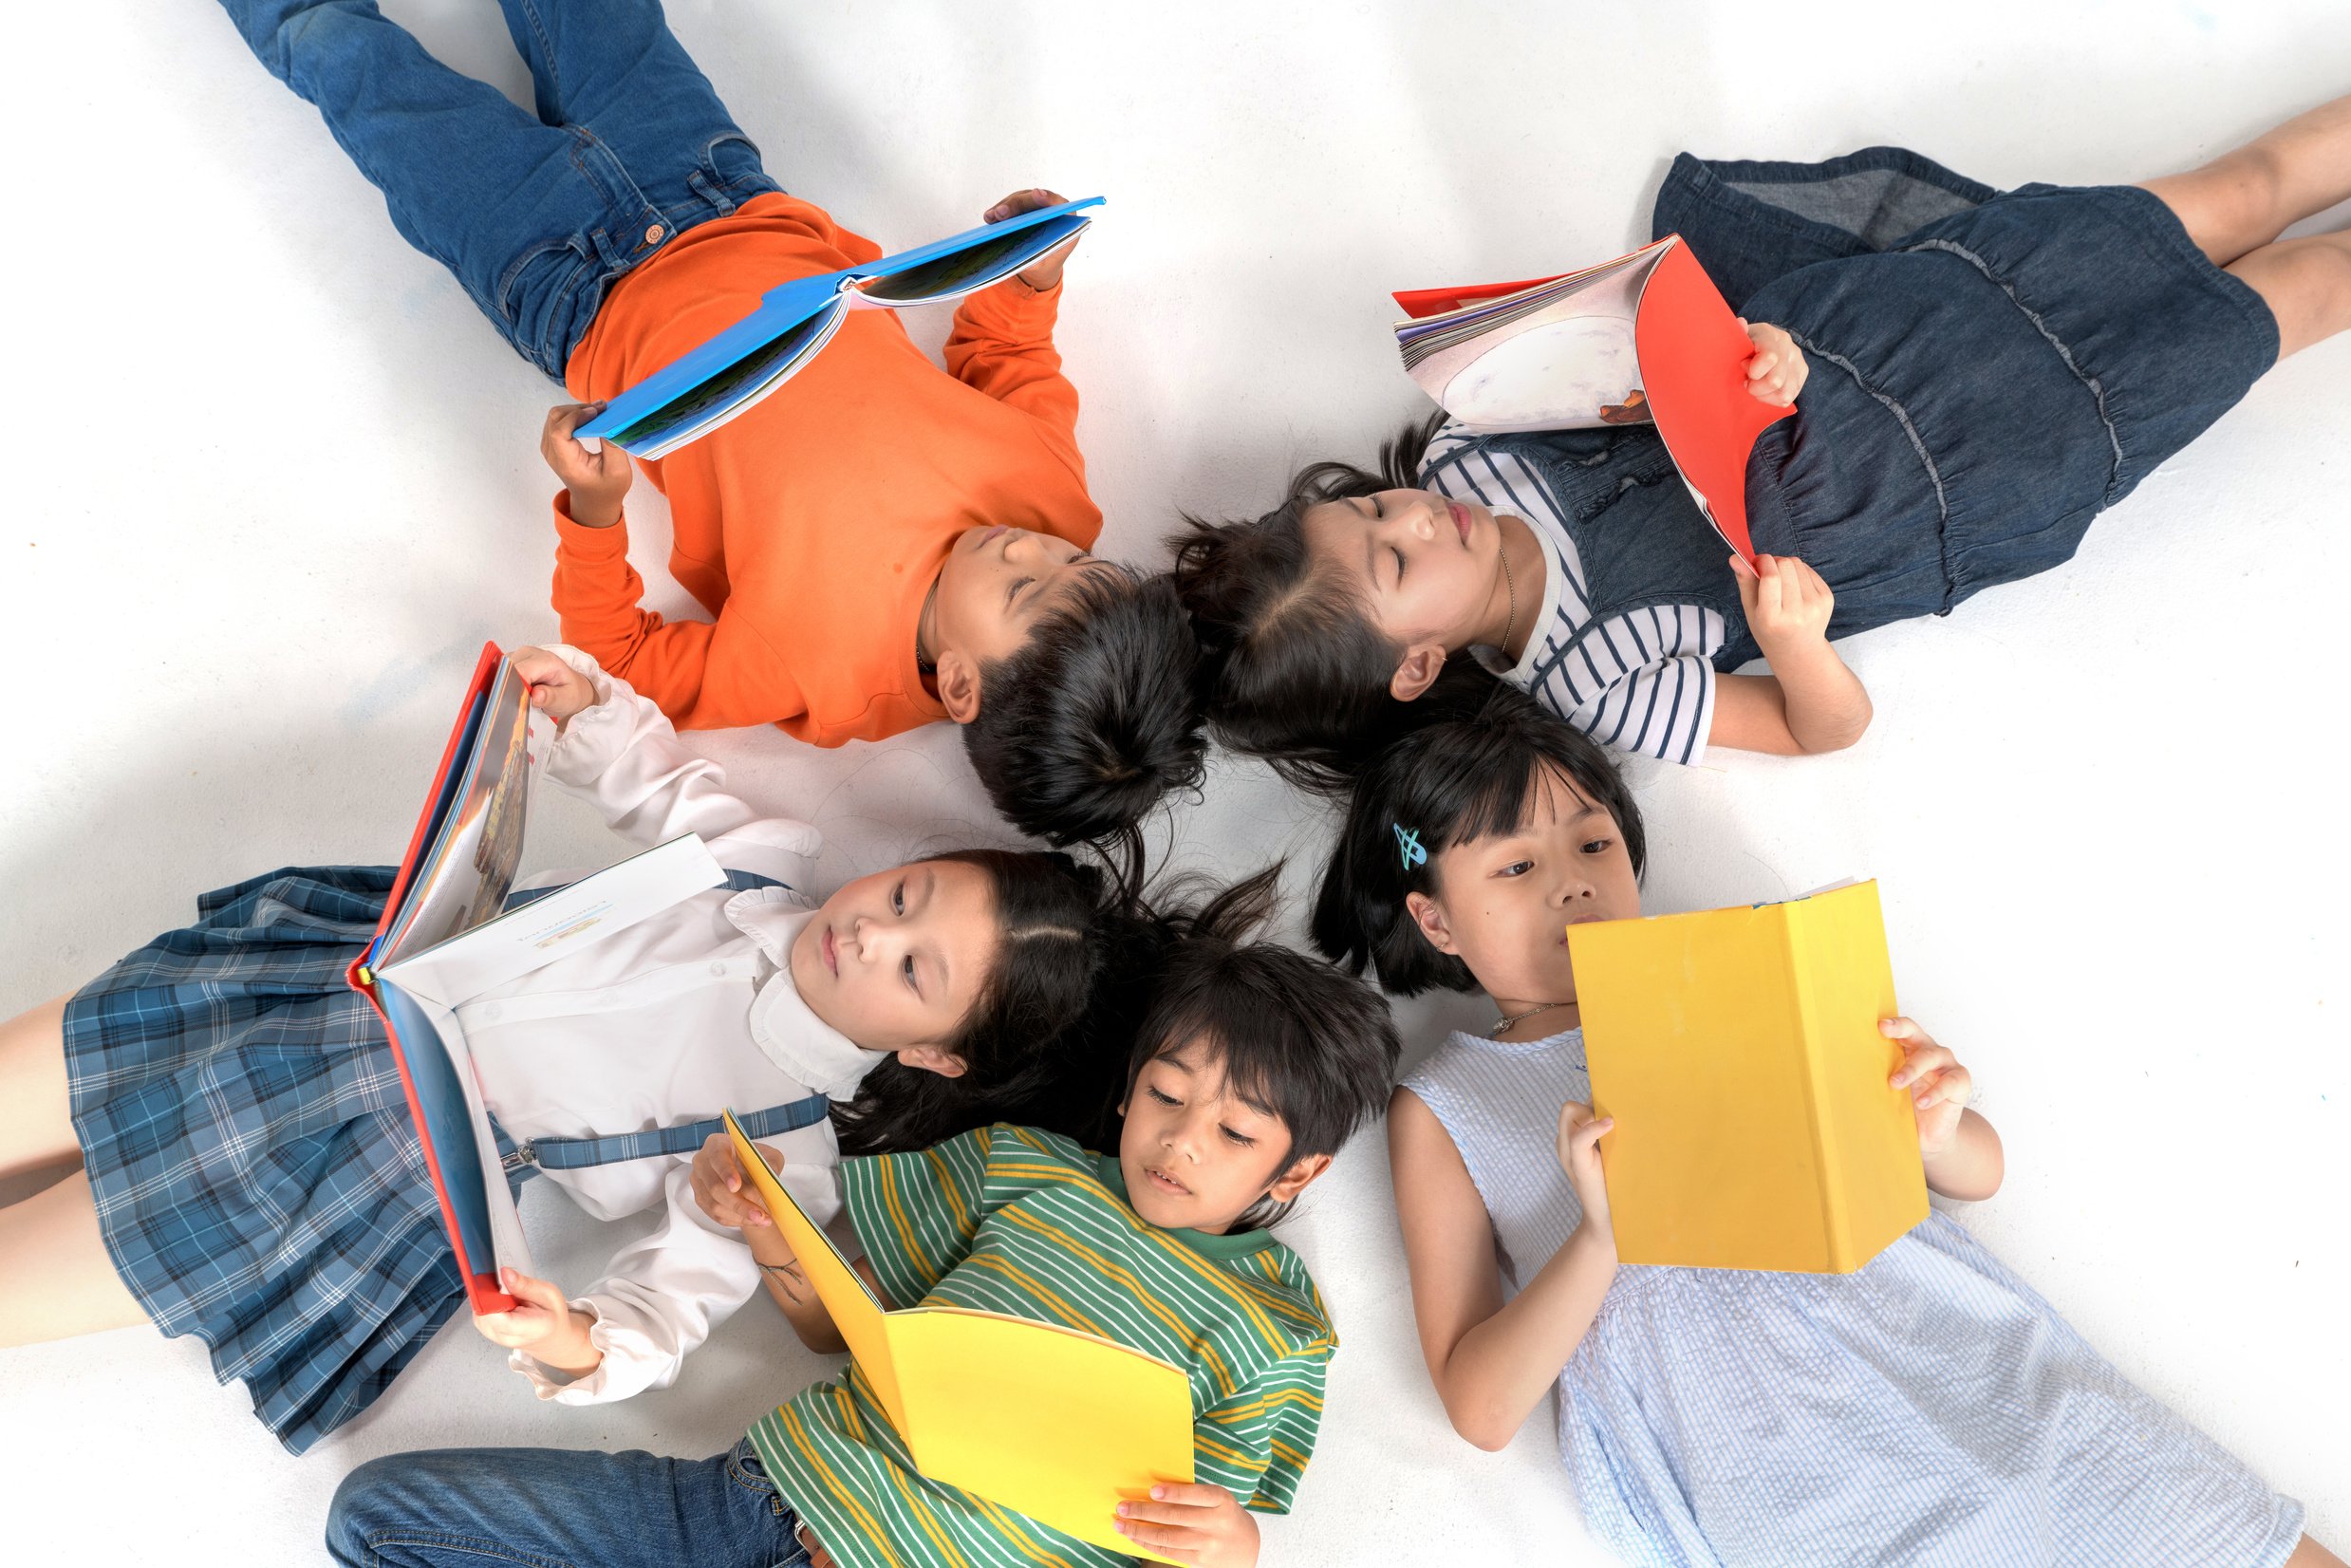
1044	1420
1739	1051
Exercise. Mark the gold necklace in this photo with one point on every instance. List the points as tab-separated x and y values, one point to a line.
1509	586
1510	1021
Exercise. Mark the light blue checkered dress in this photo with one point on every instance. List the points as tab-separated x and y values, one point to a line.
1928	1409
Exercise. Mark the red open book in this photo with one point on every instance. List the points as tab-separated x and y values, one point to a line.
1643	339
447	937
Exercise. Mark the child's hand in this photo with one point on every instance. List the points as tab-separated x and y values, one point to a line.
557	690
1940	1086
1198	1523
1777	372
1580	1156
1045	272
597	480
1786	601
718	1182
542	1323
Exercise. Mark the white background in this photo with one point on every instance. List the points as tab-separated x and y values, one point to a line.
274	482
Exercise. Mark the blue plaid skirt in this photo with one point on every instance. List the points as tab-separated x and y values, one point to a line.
257	1178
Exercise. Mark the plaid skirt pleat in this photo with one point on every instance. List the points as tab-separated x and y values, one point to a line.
257	1178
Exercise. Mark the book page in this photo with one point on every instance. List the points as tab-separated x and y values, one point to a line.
1569	365
504	949
465	874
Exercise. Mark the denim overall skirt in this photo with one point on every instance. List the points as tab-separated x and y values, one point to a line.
1989	370
256	1172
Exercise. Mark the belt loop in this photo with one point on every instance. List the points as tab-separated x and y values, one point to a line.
703	186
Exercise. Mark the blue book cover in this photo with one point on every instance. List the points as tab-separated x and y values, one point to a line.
707	387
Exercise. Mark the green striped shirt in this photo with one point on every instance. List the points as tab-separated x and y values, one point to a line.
1017	1221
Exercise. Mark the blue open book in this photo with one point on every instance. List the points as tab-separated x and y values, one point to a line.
704	387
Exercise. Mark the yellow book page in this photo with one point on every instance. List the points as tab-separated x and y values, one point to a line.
1696	1044
854	1310
1046	1421
1877	1183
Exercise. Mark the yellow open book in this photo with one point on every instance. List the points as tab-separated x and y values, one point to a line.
1739	1051
1049	1422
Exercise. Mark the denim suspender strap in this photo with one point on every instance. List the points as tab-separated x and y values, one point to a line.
736	882
576	1153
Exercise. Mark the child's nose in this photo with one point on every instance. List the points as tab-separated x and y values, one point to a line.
1425	519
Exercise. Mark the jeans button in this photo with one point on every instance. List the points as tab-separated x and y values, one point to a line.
653	236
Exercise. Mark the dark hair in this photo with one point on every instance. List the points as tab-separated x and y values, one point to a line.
1291	668
1297	1037
1449	782
1080	733
1058	923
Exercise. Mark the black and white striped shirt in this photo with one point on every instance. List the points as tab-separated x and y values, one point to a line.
1641	682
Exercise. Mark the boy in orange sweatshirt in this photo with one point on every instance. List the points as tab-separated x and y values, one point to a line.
880	544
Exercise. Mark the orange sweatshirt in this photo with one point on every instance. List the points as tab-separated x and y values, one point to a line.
810	526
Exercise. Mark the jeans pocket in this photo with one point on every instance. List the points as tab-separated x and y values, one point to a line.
535	275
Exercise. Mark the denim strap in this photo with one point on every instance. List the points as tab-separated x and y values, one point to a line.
736	882
576	1153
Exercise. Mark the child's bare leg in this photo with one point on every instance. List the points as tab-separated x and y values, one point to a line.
2244	200
36	1128
2309	1554
56	1280
2306	284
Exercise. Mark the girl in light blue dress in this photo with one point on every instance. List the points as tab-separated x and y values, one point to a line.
1929	1408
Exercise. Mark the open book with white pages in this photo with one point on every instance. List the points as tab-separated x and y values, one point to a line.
447	936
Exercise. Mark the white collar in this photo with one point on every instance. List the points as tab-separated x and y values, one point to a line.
785	1027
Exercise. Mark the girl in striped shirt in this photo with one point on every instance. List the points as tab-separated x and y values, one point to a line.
1928	1408
1976	375
1253	1066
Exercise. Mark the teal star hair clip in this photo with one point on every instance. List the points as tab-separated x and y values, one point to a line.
1409	843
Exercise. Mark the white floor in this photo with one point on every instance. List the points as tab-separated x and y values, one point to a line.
275	481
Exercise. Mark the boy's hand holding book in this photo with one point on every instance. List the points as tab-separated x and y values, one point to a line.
596	480
717	1178
1044	273
544	1323
1193	1522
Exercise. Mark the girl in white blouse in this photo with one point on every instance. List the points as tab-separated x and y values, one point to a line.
248	1171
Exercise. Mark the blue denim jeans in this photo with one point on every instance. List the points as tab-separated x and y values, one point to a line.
536	216
557	1508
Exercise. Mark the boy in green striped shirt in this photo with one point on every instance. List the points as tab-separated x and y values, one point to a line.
1253	1066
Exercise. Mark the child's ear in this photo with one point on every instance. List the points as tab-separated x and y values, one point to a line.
1417	671
934	1058
1429	915
959	685
1294	1180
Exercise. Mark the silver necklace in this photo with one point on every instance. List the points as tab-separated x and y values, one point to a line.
1506	1022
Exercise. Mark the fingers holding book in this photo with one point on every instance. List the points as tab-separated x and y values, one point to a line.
718	1185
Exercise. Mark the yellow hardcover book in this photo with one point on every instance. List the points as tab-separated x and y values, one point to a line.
1739	1051
1044	1420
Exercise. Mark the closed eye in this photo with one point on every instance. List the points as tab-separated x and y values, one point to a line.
1243	1139
1018	582
1158	1098
1399	555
